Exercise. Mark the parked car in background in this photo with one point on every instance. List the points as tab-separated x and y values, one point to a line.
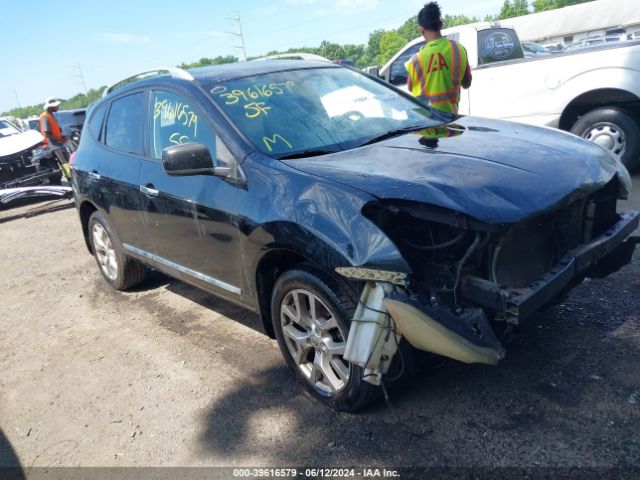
351	217
532	48
594	42
555	47
34	123
592	92
71	122
22	160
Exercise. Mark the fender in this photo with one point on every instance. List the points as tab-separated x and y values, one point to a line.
302	217
609	78
309	215
274	246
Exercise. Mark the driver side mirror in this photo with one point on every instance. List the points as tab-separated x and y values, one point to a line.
399	80
374	70
190	159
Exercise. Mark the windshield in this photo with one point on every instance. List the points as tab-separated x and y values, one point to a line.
318	110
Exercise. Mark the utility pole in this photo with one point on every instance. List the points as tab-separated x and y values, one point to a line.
15	95
78	74
240	35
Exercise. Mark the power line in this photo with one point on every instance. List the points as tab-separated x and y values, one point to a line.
78	74
240	35
15	95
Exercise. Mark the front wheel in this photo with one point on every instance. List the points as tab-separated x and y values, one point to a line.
613	129
311	312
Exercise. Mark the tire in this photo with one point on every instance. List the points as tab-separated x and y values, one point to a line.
338	383
119	271
614	129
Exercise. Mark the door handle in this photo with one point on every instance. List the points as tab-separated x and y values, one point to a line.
94	176
149	191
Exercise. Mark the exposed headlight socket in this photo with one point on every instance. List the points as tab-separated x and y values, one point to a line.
373	275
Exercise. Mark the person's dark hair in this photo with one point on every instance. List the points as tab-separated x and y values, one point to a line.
429	17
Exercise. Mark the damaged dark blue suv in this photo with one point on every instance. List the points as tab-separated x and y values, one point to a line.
351	217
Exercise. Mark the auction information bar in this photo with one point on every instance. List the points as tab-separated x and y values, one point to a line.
368	473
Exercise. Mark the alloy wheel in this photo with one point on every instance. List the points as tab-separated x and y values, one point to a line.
105	254
314	340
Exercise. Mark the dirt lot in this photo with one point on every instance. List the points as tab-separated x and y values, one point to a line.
168	375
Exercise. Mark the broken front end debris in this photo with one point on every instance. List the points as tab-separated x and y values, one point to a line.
470	280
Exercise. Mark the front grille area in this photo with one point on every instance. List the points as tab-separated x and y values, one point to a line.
525	253
531	248
15	166
605	201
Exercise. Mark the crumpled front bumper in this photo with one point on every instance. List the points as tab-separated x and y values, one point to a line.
598	258
468	337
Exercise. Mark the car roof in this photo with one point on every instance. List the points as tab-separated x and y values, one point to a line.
231	71
212	74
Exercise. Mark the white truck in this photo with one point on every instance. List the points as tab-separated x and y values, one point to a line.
593	93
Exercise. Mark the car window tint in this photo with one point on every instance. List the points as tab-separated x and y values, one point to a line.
398	73
124	124
173	121
498	45
95	123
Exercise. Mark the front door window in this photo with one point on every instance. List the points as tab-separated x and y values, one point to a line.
174	121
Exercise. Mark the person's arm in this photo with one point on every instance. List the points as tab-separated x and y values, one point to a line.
466	80
45	130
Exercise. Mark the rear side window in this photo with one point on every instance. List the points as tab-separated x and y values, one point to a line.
95	122
124	127
173	120
498	45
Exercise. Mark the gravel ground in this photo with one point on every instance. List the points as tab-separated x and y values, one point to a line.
169	375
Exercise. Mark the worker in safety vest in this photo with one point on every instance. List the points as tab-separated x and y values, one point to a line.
49	126
440	68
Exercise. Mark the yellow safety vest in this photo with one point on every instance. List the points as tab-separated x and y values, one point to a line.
436	73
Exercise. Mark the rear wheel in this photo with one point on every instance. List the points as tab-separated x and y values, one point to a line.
120	271
311	312
613	129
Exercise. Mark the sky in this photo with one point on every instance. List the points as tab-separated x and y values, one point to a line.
44	44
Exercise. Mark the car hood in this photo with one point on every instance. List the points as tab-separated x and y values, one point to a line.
492	170
19	142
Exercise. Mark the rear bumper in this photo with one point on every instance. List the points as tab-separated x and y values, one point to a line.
600	257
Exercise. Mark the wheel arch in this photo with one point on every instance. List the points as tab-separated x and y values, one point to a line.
597	98
273	264
276	247
85	211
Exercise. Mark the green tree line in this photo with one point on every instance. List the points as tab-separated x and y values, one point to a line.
79	100
381	46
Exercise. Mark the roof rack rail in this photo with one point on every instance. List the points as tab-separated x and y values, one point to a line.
295	56
173	72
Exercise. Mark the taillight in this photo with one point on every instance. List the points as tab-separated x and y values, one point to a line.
72	159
